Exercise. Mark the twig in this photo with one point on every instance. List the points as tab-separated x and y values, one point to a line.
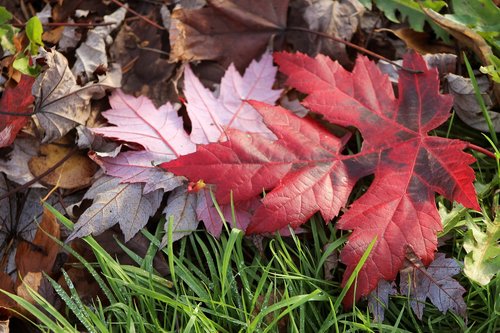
42	175
67	24
481	150
144	18
354	46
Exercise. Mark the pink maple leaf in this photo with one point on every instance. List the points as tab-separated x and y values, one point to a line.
211	115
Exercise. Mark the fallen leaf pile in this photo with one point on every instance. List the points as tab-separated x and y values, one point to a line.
304	171
149	111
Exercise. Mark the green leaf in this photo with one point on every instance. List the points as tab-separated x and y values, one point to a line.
410	9
5	15
492	70
22	64
34	31
482	16
482	261
7	31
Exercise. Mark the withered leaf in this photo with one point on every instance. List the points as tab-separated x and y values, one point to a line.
227	31
61	104
15	163
92	53
465	103
115	203
434	282
337	18
40	254
75	172
181	207
378	300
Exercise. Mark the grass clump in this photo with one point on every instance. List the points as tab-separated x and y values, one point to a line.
229	285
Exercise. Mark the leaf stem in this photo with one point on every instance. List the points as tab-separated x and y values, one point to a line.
67	24
142	17
481	150
43	174
354	46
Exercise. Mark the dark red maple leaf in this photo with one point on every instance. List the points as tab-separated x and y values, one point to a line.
305	172
15	101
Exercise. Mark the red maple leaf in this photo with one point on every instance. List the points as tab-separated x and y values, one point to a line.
305	172
16	102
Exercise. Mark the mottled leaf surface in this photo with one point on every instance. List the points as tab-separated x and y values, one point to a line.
304	171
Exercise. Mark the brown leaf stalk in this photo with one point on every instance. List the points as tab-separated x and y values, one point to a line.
142	17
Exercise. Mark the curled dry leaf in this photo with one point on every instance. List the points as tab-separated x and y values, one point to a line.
468	37
14	164
40	254
227	31
60	103
421	42
33	258
466	105
337	18
92	53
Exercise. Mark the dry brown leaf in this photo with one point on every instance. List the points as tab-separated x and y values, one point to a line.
467	37
420	41
8	285
15	163
32	259
337	18
227	31
465	102
40	254
53	36
76	172
61	104
145	72
4	321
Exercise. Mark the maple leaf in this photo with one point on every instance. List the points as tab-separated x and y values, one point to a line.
211	218
228	31
115	203
16	101
378	300
61	104
159	131
210	114
305	171
181	208
482	261
139	167
434	282
138	121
